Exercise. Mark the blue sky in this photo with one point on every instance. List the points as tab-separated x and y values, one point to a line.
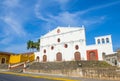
23	20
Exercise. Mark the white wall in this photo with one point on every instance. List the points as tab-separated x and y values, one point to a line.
72	37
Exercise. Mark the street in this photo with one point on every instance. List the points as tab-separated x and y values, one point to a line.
9	77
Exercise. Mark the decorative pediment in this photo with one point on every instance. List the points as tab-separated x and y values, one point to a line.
61	30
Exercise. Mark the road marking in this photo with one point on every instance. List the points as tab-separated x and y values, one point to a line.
36	76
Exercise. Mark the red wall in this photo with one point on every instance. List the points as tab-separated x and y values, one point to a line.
96	54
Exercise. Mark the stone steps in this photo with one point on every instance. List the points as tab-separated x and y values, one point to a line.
68	64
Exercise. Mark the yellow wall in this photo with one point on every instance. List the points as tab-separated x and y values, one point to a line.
14	59
17	58
27	57
6	58
32	57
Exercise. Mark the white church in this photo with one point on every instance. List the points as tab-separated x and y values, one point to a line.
69	44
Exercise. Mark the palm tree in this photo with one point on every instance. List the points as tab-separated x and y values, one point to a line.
29	44
33	45
38	45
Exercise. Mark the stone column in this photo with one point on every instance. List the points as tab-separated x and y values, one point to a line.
9	66
24	67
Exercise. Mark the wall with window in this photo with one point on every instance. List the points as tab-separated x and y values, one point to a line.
103	44
65	40
4	58
103	39
69	43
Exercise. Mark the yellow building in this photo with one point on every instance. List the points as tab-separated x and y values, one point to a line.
10	58
4	57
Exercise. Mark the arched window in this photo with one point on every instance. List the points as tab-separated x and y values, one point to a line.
59	56
3	61
107	40
37	58
103	41
77	56
76	47
58	30
44	58
98	41
58	40
44	50
92	54
65	45
52	47
103	55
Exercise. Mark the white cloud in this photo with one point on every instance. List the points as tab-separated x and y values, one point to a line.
38	14
14	26
63	18
11	3
6	40
66	18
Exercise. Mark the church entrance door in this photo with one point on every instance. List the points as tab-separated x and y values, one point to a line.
77	56
59	56
44	58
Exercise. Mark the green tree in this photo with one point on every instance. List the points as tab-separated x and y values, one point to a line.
33	45
38	45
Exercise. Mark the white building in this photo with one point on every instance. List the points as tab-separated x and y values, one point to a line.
69	43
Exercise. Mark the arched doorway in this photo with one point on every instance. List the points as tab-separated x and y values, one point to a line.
3	61
37	58
77	56
44	58
92	55
59	56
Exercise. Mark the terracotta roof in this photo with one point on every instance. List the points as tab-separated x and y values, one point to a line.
7	53
27	53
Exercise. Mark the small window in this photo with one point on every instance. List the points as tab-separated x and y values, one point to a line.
98	41
58	40
103	41
76	47
65	45
107	40
52	47
58	31
44	50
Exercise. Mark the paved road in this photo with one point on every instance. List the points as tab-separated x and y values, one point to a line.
6	76
9	77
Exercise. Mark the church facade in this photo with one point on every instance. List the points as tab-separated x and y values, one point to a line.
69	44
